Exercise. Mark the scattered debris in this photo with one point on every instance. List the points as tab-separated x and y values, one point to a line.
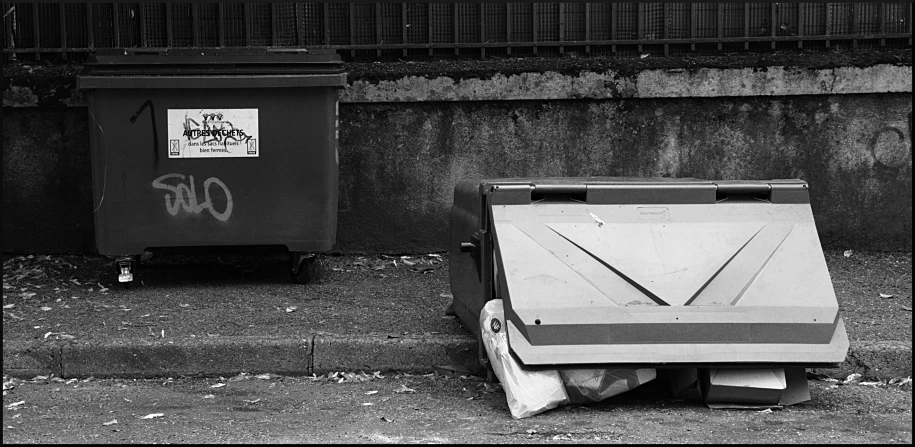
15	405
218	385
152	416
385	419
885	295
266	376
9	306
404	389
369	393
59	336
847	253
209	396
111	422
252	402
241	376
291	308
851	379
455	371
365	404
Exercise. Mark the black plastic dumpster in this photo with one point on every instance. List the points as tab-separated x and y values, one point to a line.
724	278
214	147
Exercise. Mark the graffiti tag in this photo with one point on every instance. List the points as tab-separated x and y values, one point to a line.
185	197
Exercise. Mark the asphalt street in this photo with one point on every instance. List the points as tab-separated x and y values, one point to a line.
400	408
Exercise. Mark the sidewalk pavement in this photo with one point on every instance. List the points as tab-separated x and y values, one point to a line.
219	315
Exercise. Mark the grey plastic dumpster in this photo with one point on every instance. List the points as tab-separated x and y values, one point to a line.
214	147
665	273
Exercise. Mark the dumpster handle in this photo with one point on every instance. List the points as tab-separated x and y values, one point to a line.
152	115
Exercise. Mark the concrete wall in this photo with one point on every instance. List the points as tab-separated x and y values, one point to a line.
405	143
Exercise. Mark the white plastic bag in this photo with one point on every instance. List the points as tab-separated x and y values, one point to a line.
594	385
528	392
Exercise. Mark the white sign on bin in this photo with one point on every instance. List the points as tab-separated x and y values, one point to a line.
212	133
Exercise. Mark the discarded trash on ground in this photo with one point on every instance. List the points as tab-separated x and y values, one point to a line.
530	392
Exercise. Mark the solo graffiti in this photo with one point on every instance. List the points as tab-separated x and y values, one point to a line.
185	197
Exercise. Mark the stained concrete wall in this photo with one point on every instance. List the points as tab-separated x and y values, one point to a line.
399	163
405	143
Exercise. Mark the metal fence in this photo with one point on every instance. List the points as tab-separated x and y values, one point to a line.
371	31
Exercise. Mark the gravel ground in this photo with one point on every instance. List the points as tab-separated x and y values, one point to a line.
202	295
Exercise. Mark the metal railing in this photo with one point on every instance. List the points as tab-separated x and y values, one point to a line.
361	31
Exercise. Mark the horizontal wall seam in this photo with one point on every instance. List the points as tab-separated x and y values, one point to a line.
668	83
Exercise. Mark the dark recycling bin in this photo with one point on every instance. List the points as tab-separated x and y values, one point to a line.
214	147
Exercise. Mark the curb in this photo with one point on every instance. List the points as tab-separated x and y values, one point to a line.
319	354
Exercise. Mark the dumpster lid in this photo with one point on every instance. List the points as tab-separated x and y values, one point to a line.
212	61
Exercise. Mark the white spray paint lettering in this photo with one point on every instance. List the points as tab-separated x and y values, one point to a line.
185	197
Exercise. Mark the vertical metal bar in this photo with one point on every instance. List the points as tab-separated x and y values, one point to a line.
536	12
141	16
378	40
854	26
90	35
273	24
800	24
457	51
116	18
639	16
403	27
614	14
246	17
562	26
352	29
772	21
168	24
720	24
63	31
35	35
429	27
195	20
482	32
666	28
746	26
326	12
882	14
508	29
221	26
692	26
588	27
908	24
828	19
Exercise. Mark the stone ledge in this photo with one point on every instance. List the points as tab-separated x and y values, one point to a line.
659	83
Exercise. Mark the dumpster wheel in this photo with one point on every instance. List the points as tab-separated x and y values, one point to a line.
304	267
125	268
